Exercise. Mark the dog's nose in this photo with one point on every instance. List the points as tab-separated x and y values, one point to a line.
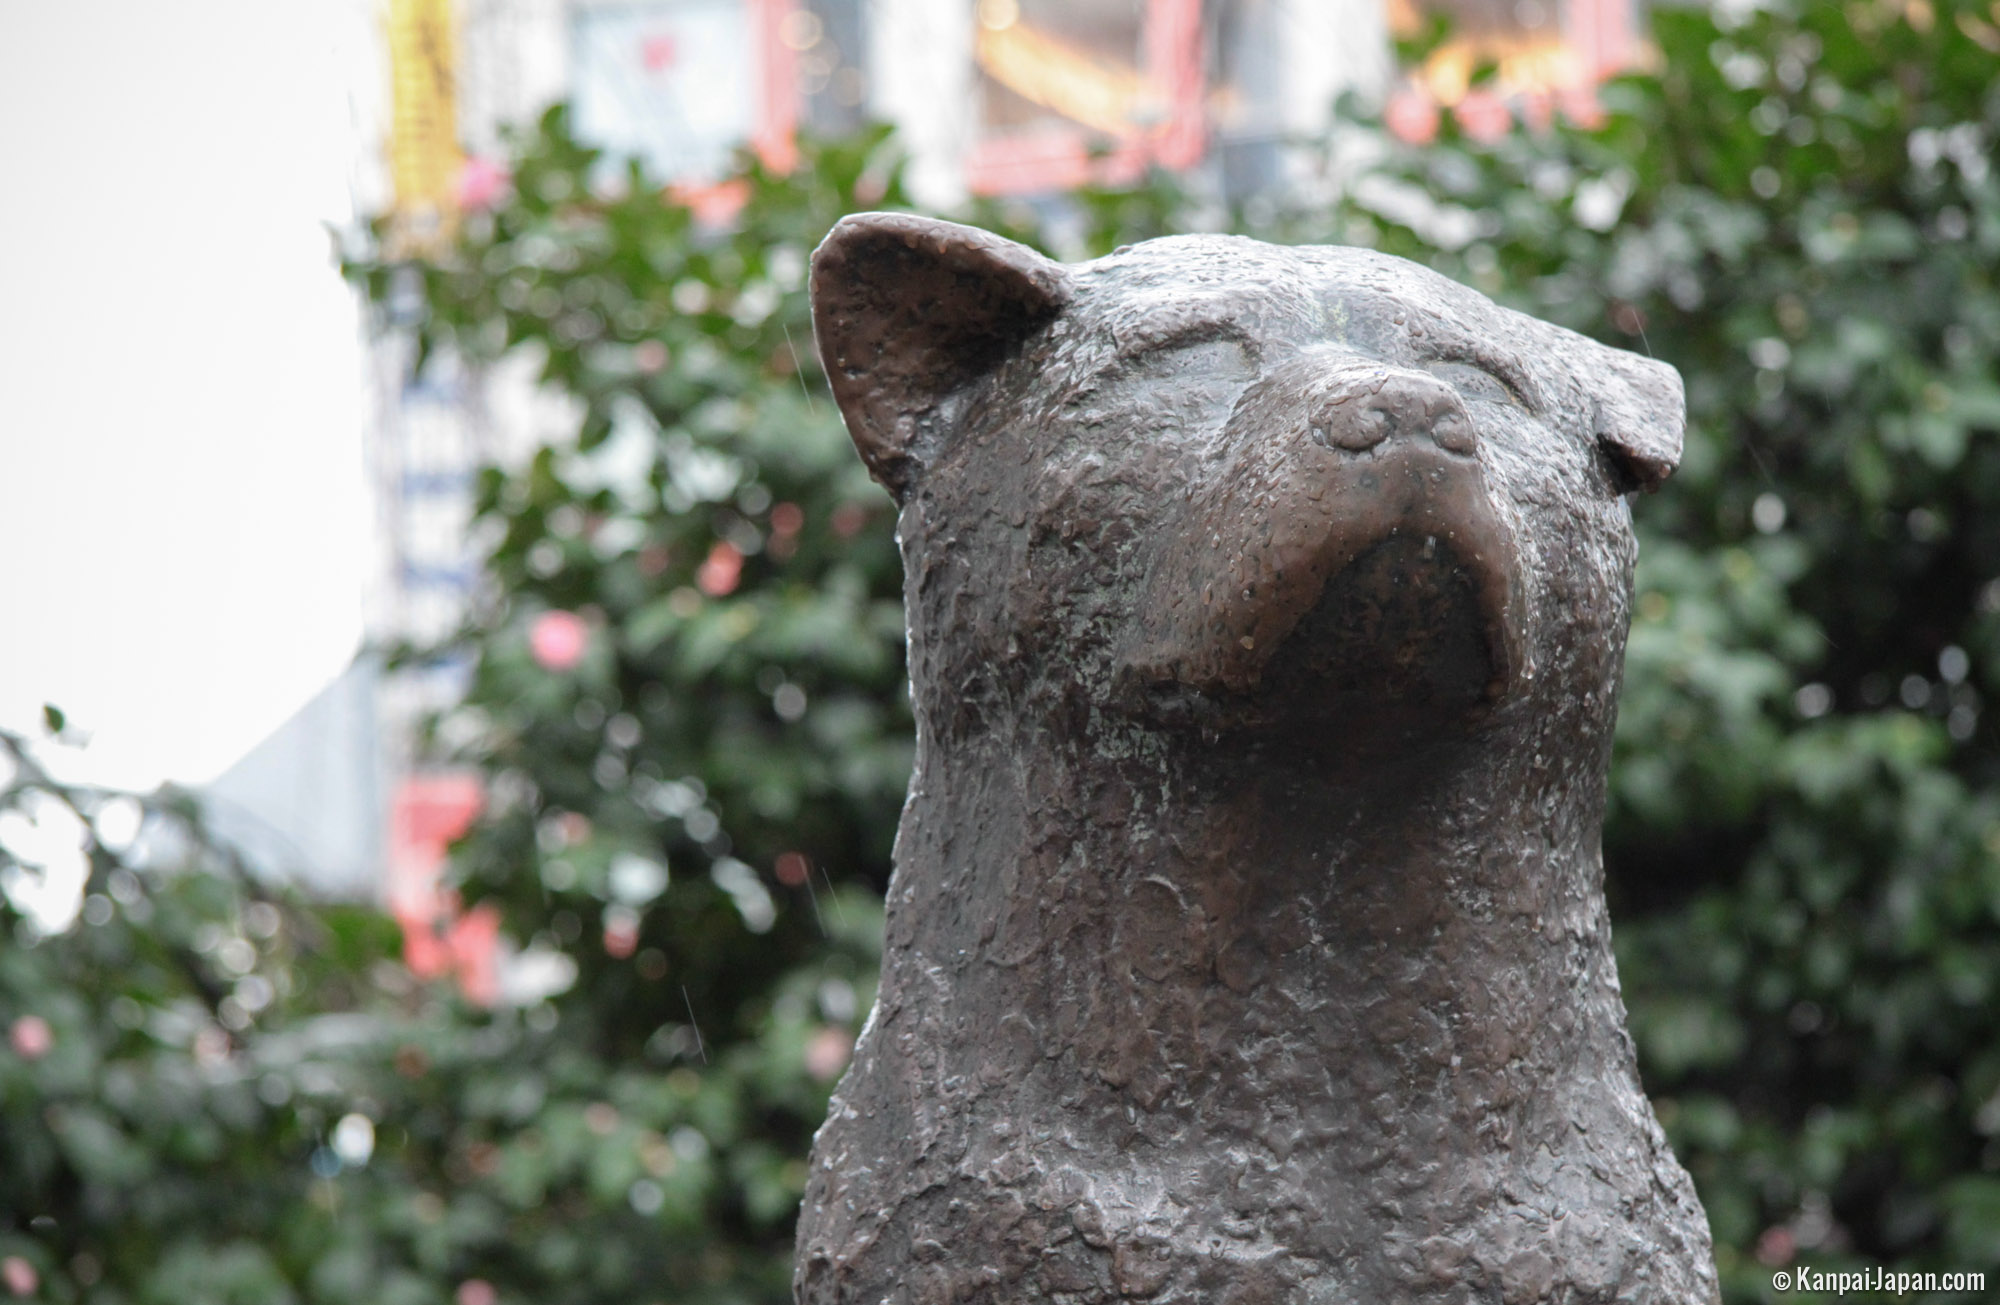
1359	408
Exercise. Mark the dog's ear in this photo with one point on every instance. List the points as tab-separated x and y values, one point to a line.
1641	415
908	310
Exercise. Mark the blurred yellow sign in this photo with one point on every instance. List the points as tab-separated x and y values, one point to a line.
424	159
1052	74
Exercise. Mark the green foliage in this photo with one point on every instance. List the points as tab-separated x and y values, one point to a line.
697	813
141	1107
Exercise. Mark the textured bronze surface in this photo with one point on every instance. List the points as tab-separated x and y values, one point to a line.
1247	938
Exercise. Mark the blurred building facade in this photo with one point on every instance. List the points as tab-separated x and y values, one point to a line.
1022	98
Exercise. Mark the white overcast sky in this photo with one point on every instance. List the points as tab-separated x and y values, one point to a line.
183	521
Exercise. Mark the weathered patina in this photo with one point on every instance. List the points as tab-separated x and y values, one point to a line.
1247	939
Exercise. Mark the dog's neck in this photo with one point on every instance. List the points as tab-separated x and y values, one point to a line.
1182	939
1209	1012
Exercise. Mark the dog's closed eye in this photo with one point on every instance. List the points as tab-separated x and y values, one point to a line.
1474	382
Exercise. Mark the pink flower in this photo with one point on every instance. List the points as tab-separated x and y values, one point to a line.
475	952
1411	116
827	1052
31	1038
424	949
19	1276
558	640
1777	1246
649	356
848	519
481	183
621	932
1484	116
476	1291
721	572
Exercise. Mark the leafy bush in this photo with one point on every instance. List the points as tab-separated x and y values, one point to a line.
692	797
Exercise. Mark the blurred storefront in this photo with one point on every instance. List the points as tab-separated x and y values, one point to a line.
990	96
1048	94
997	96
1492	61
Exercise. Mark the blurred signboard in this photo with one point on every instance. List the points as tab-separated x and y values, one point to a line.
680	84
1071	91
439	938
1541	54
423	132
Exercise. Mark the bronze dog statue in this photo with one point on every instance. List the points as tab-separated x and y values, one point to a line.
1247	938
